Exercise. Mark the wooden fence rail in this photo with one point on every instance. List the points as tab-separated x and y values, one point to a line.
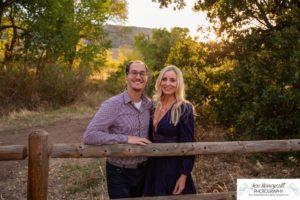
39	155
13	152
173	149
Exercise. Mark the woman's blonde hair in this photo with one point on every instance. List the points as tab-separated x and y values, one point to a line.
179	93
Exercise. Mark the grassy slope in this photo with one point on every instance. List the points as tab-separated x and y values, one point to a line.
82	108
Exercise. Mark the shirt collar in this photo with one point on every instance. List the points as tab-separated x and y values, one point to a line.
127	99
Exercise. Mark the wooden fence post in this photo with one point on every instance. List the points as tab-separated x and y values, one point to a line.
38	166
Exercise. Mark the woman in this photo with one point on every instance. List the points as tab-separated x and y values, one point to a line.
173	122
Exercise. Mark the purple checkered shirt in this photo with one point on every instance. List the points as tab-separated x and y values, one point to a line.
115	120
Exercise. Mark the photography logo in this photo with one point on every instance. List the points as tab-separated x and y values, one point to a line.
268	189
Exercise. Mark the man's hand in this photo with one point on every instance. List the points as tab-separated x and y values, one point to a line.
180	184
137	140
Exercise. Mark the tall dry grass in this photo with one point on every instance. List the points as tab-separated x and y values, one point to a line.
85	106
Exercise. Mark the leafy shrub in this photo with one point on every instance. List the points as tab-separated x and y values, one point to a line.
116	81
17	89
60	85
55	85
260	99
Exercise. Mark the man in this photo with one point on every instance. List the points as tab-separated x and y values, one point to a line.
122	119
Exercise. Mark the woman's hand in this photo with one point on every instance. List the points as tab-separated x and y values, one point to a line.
180	184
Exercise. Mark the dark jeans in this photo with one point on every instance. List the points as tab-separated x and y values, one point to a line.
124	182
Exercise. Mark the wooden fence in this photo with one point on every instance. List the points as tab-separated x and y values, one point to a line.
39	154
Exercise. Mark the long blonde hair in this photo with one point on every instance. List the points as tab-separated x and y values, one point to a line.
179	93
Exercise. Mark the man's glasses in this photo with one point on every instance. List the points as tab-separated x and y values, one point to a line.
136	73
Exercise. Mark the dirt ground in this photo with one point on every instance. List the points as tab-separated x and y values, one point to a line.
85	179
13	174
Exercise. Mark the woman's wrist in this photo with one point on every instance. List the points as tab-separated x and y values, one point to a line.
183	176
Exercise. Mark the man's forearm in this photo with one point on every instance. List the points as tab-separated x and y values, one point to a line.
99	138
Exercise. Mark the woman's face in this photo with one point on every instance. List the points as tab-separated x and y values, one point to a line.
168	83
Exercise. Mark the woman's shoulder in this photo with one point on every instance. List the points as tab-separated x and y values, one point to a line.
186	107
187	111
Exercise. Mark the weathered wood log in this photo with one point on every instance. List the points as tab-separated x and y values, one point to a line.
173	149
203	196
13	152
38	166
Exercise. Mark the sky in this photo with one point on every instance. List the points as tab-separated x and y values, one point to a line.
145	13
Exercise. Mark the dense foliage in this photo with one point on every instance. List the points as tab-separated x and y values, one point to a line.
48	48
156	49
248	81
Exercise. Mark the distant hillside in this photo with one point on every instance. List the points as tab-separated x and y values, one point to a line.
124	35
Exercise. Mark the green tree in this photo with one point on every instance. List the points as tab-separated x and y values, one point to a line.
189	55
156	49
254	78
52	40
261	95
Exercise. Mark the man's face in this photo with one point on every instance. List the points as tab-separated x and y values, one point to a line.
137	77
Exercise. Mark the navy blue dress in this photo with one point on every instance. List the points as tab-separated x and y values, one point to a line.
163	172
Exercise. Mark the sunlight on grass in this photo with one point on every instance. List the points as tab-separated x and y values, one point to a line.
84	107
25	118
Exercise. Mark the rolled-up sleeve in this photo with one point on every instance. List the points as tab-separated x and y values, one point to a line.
97	131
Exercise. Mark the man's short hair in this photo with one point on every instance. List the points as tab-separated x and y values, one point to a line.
134	61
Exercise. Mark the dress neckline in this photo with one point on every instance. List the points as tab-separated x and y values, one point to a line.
162	117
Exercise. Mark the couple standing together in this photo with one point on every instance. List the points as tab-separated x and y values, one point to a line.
132	118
